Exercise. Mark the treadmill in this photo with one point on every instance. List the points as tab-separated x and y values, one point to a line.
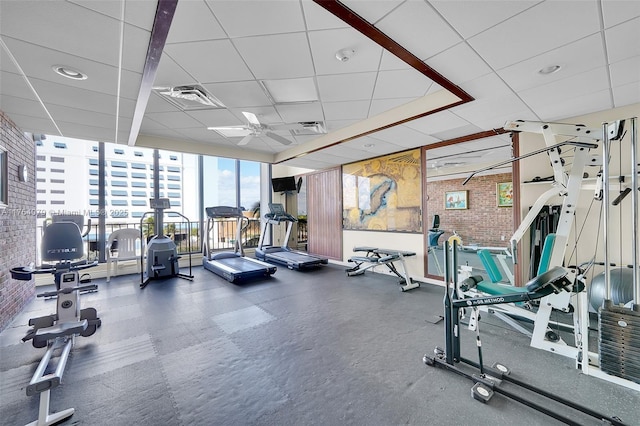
283	255
233	266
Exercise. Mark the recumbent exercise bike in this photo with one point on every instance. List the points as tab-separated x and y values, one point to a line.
62	244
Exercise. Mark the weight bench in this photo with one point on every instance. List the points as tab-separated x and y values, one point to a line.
377	257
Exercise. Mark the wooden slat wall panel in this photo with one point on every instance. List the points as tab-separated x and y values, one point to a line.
324	213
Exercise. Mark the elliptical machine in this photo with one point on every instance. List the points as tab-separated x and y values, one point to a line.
162	253
61	243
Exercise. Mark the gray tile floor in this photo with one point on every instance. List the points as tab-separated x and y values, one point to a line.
300	348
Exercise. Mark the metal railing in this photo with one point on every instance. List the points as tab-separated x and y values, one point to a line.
223	239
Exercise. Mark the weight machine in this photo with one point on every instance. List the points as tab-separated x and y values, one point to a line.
567	184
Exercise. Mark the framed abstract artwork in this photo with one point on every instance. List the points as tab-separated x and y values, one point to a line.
455	200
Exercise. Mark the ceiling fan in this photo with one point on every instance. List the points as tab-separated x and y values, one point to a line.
255	128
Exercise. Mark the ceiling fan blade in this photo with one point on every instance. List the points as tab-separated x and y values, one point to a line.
278	138
251	118
245	140
228	128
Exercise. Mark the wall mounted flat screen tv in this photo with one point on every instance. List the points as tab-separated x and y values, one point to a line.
284	184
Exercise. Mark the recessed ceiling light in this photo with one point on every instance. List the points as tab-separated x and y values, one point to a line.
368	145
69	72
550	69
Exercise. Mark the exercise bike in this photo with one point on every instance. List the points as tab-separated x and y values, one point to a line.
61	243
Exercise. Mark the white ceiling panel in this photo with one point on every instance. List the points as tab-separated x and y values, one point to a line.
470	17
626	95
317	18
239	93
48	21
617	11
392	62
380	106
535	31
459	63
574	58
353	110
623	41
566	89
36	62
171	74
258	17
276	56
175	121
490	49
372	11
301	112
194	21
625	72
401	84
202	60
346	87
325	45
418	28
437	123
579	105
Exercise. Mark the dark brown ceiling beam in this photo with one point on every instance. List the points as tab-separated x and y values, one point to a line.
358	23
161	25
467	138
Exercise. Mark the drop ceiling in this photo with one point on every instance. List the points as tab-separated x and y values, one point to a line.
486	56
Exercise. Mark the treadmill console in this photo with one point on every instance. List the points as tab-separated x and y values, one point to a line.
277	212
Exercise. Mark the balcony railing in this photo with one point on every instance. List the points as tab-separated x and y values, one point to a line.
223	238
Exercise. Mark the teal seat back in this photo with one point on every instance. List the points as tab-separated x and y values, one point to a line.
545	256
490	266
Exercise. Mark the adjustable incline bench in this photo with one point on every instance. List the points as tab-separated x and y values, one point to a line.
376	257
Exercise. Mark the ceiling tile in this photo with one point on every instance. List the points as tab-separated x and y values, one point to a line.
615	12
535	31
202	60
23	106
623	41
353	110
419	29
171	74
392	62
134	49
490	113
624	72
193	21
401	84
372	11
457	132
563	91
138	13
574	58
346	87
318	18
276	56
626	95
85	29
436	123
459	64
403	136
258	17
175	121
470	17
215	117
300	112
325	45
239	94
379	106
37	62
579	105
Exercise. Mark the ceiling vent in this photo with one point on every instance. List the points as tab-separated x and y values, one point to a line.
189	97
309	128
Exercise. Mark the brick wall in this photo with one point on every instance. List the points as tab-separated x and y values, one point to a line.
17	221
483	222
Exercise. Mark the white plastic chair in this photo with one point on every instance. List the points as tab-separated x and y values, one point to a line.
127	247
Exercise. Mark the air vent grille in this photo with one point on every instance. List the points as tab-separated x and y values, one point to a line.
189	97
